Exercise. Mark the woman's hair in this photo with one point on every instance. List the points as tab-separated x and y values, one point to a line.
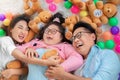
60	27
86	26
14	21
57	17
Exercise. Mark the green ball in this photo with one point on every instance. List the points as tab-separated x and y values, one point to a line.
95	1
113	21
2	33
68	4
101	44
109	44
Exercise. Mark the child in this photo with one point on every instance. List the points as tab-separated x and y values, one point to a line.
51	37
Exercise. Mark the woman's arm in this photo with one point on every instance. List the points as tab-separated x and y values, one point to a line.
57	72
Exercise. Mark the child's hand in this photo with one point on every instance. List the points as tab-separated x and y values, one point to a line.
31	53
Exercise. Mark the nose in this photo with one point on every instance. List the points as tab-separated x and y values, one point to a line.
76	40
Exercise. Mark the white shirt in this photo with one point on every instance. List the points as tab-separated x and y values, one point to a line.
6	47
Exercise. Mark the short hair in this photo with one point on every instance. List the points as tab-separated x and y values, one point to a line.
86	26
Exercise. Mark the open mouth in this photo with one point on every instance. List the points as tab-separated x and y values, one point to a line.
79	45
49	38
21	37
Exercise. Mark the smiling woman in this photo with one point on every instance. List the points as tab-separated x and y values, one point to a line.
16	34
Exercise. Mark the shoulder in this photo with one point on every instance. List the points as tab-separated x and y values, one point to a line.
5	39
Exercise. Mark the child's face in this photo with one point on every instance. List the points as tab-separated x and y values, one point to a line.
20	31
52	35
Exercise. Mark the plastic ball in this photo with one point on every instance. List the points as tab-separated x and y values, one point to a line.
113	21
117	48
117	39
114	30
109	44
52	7
107	35
2	17
101	44
83	13
9	16
2	33
75	9
49	1
67	4
95	1
6	22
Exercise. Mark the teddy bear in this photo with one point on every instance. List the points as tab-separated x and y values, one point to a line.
100	12
51	53
79	3
70	21
116	2
15	64
39	21
32	6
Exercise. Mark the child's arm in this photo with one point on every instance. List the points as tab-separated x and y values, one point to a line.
73	60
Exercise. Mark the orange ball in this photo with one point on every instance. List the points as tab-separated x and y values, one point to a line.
107	35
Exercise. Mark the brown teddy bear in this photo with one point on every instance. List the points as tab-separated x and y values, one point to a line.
79	3
38	22
100	12
69	23
14	65
116	2
51	53
32	6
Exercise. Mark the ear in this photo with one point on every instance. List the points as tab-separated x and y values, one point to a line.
93	36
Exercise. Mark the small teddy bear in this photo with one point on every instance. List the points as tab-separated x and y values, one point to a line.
100	12
15	64
38	22
70	21
79	3
32	6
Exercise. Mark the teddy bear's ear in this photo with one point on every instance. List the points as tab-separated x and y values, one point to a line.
116	2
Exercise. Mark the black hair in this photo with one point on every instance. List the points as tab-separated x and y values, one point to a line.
59	16
86	26
61	28
14	21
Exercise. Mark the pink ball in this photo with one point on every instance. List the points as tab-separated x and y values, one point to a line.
117	38
52	7
75	9
49	1
117	48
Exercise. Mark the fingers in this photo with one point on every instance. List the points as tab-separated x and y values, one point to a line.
31	53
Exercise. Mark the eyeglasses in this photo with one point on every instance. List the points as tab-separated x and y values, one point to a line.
52	31
78	35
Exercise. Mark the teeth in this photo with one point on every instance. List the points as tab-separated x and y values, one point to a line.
79	45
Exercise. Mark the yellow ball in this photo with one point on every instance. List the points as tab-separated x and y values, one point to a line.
83	13
6	22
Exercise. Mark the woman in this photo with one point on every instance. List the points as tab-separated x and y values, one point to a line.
98	64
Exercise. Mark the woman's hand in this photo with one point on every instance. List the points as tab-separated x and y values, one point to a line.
31	53
55	72
7	73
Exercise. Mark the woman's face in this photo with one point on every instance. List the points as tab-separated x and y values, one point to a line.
52	35
20	31
83	41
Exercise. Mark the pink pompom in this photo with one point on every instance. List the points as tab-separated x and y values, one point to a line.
52	7
117	38
49	1
75	9
117	48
